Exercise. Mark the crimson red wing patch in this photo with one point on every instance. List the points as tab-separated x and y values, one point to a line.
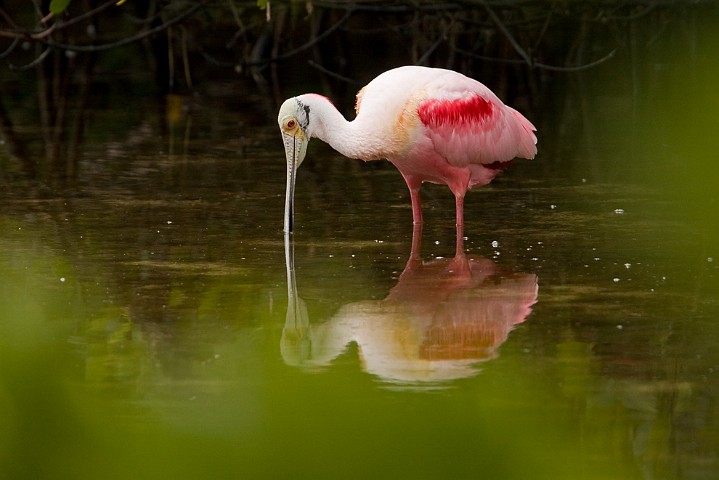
461	111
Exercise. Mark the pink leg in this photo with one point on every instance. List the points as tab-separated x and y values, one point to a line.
414	185
459	245
459	201
459	184
415	254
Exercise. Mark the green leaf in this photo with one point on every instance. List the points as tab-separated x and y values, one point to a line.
58	6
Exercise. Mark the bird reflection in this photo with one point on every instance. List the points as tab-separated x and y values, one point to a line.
442	319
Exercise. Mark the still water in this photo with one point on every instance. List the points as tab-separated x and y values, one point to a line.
155	321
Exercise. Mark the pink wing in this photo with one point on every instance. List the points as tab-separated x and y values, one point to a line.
468	124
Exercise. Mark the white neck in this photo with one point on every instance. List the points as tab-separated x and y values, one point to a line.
355	139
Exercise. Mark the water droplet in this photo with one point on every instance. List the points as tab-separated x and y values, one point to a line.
615	280
62	279
495	244
627	266
710	259
618	211
552	206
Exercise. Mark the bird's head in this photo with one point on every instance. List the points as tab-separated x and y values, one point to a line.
293	120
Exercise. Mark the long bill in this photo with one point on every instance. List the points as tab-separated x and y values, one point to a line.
290	196
294	151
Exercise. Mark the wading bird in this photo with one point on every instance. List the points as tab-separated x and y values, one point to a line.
434	125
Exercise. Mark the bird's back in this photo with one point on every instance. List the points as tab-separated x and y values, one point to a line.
465	121
390	91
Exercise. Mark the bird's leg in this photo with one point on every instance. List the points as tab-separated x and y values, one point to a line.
414	184
458	184
459	245
459	202
416	252
416	206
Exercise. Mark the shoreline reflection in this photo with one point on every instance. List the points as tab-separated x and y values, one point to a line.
442	318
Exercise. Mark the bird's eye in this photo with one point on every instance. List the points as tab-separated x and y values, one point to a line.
291	123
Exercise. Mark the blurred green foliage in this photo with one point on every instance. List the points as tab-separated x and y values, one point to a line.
59	6
91	387
682	122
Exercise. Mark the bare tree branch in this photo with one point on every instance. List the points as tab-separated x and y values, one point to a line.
34	63
334	74
577	67
307	45
502	28
127	40
10	49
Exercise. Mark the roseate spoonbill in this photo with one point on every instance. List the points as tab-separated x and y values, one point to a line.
434	125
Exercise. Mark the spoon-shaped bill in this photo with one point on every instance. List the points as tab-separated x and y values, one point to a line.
295	150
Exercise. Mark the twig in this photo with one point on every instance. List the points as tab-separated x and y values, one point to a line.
488	58
127	40
507	34
383	8
306	46
577	67
544	66
45	33
433	47
8	19
35	62
9	49
87	14
543	30
333	74
28	35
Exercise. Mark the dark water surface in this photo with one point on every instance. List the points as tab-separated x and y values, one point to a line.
150	325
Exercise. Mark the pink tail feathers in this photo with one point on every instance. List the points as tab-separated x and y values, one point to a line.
527	147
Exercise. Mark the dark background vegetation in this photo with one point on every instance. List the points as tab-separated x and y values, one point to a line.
530	52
